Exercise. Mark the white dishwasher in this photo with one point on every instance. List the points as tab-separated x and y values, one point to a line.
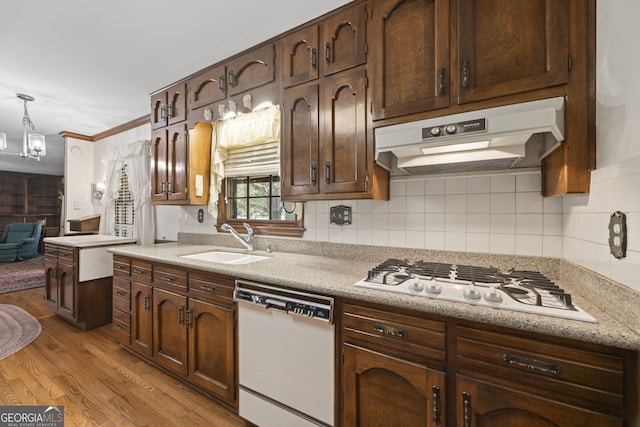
286	356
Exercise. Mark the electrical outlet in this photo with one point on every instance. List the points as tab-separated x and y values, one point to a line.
618	234
340	215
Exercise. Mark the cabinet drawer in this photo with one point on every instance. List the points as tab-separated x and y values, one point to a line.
212	287
410	337
121	327
591	372
121	294
169	278
65	254
50	251
141	270
121	266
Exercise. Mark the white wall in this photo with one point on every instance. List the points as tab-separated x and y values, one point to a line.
79	166
615	185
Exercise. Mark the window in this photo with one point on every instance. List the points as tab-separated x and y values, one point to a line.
256	201
124	207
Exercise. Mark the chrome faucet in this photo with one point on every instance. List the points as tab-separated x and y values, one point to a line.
246	242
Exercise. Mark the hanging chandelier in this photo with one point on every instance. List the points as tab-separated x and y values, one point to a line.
33	144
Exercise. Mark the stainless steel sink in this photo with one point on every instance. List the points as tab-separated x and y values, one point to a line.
223	257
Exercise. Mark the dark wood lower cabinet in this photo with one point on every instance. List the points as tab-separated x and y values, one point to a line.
482	404
387	391
182	321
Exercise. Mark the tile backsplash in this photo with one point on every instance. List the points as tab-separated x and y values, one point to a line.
499	214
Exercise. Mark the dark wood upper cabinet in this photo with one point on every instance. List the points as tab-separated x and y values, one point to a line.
207	87
169	106
410	56
251	70
300	56
300	141
169	164
507	47
344	39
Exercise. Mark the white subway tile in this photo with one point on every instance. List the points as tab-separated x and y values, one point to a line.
478	223
603	260
350	236
309	233
398	188
415	221
398	204
455	186
552	224
364	237
364	206
503	203
529	245
335	234
529	203
380	221
478	242
503	184
322	207
502	244
434	186
626	270
415	204
397	238
397	221
478	184
529	224
478	203
503	224
380	237
455	242
588	231
434	222
415	188
601	228
552	204
363	221
380	206
415	239
322	234
455	222
434	204
552	246
529	182
310	208
455	203
434	240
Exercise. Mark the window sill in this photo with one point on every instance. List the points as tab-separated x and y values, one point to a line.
267	228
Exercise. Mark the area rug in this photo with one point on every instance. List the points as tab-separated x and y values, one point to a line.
17	329
19	275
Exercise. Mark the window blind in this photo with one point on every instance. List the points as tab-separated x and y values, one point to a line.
260	159
124	207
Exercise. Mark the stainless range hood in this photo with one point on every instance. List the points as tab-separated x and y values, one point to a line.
512	136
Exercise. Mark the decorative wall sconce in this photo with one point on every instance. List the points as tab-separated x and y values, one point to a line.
97	189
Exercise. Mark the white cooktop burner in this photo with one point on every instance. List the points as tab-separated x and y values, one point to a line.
525	291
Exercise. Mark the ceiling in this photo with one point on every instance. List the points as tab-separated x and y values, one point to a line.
91	65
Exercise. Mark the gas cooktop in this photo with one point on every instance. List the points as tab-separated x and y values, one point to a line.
517	290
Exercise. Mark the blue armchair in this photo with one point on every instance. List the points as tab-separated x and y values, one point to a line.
20	241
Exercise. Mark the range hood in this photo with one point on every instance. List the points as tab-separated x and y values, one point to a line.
512	136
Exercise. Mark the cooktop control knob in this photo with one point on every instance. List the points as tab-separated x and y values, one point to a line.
435	131
434	287
451	129
492	295
471	292
417	285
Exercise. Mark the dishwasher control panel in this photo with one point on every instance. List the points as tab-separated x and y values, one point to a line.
290	301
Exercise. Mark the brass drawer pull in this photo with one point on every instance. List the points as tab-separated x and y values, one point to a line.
208	288
531	364
119	326
168	278
121	293
139	271
119	266
390	330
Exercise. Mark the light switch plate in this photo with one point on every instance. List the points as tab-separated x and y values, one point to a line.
340	215
618	234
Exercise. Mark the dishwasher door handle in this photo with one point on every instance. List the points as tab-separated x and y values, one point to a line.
278	305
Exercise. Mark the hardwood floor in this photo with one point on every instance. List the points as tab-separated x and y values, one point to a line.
97	382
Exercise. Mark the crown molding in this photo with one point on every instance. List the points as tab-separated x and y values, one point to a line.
109	132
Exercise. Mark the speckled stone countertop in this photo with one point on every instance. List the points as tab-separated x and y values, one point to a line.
333	269
89	240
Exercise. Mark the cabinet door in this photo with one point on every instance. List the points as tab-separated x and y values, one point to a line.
158	110
159	155
212	349
410	48
481	404
344	144
207	87
507	47
170	330
177	104
51	283
177	163
141	318
251	70
300	56
67	290
344	38
300	137
383	390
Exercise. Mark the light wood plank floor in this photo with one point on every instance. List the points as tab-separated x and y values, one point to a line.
99	383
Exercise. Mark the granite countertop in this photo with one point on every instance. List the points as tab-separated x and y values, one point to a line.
89	240
335	275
